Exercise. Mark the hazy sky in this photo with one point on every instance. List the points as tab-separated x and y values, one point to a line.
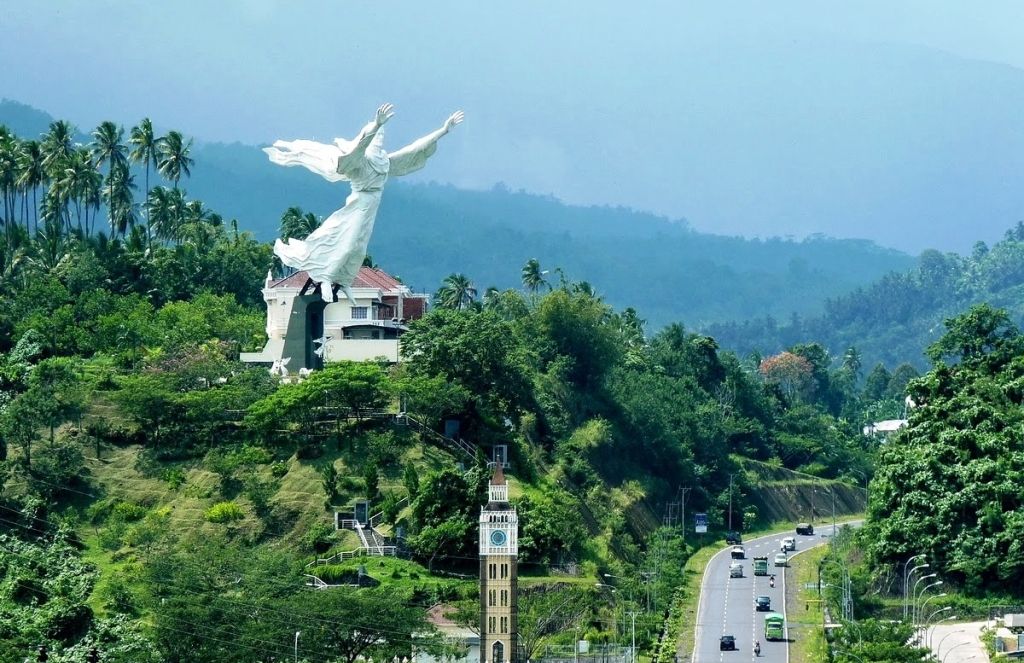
532	76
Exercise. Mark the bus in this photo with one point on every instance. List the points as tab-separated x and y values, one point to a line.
774	626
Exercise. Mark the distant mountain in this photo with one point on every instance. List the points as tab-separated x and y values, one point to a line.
424	232
894	319
660	267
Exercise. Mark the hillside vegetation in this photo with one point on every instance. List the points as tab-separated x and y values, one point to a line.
894	319
163	502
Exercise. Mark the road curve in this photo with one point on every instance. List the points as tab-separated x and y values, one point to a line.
726	605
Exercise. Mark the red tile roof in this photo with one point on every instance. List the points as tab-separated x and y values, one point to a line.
296	280
367	277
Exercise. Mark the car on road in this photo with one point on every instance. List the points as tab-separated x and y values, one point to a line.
806	529
738	552
781	559
788	543
727	643
763	604
733	537
735	570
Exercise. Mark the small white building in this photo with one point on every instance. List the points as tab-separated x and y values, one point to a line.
309	332
884	428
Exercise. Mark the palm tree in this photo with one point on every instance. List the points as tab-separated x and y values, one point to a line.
108	147
174	157
52	247
295	224
57	147
491	297
9	149
456	292
166	209
76	182
145	150
533	277
120	201
31	174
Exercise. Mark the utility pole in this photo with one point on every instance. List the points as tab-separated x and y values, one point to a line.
833	510
730	503
632	652
682	517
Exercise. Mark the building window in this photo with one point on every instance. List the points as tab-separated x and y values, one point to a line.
491	624
504	598
491	597
504	624
359	313
498	652
504	570
492	571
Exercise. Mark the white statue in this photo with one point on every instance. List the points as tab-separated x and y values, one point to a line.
334	252
278	367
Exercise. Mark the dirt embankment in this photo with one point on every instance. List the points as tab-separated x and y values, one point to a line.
782	494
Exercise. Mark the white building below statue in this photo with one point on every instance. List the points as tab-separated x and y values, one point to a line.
308	332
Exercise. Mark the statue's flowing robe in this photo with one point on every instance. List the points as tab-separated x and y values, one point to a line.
333	253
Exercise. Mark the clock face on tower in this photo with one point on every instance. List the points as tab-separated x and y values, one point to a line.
498	537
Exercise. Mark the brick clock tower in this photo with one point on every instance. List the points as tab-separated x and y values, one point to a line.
499	546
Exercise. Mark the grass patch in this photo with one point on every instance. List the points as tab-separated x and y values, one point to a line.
804	610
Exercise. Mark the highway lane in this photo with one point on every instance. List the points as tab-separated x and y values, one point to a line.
727	604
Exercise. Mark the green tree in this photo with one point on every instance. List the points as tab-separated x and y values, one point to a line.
950	484
174	157
533	276
145	151
296	224
456	292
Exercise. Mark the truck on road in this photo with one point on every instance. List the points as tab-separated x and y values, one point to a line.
760	566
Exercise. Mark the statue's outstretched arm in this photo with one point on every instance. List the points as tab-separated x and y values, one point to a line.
414	156
366	134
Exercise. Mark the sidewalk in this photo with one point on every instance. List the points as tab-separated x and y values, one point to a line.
955	643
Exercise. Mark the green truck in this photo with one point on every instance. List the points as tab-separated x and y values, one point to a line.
760	566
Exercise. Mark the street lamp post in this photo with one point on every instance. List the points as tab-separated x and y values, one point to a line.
938	647
916	612
913	595
931	634
962	644
927	620
297	645
906	579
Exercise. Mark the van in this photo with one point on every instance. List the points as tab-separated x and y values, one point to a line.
788	543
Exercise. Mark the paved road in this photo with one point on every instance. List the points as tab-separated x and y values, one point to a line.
727	604
959	642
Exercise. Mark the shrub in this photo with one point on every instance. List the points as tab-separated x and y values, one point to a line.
278	469
127	512
175	477
318	537
224	512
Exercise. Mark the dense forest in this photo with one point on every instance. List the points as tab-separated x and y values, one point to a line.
160	501
894	319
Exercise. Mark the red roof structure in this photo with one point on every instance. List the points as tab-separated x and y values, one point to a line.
367	277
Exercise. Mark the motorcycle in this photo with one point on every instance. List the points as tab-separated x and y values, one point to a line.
771	582
757	649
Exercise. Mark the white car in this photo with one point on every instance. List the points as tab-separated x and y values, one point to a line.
781	559
738	552
788	543
735	570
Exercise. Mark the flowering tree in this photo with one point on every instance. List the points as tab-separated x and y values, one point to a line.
792	373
